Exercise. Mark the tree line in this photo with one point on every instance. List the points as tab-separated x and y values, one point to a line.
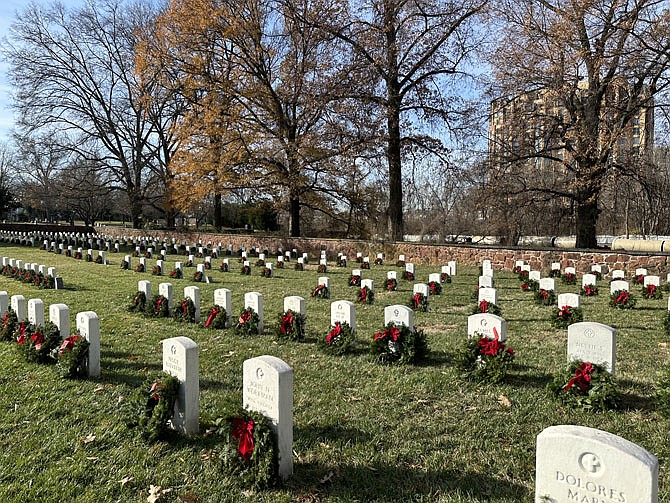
362	118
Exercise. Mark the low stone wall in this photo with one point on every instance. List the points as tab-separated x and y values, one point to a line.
422	253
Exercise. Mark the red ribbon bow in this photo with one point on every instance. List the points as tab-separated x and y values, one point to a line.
212	315
155	395
416	300
622	298
38	339
364	294
317	290
244	432
334	333
484	306
582	377
287	323
246	316
22	334
68	343
391	333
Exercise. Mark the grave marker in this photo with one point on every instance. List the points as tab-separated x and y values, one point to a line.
589	279
59	315
193	293
18	303
400	315
485	282
36	311
483	325
548	284
618	274
569	299
619	285
295	304
490	295
88	325
344	312
254	300
592	342
165	289
180	359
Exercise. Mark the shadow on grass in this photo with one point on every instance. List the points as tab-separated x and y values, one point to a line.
313	435
517	377
635	396
386	483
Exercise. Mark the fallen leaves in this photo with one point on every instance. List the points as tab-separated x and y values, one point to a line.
156	493
88	439
503	400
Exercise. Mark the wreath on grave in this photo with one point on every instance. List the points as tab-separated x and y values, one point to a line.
652	292
139	303
98	260
408	275
400	263
342	262
159	307
267	272
622	299
339	339
291	326
280	264
359	259
9	324
486	307
198	277
38	343
322	269
562	317
419	302
555	273
662	393
217	318
125	265
208	265
185	311
597	274
355	280
435	288
569	278
530	285
379	261
147	254
78	255
68	253
157	270
224	267
248	452
365	296
198	255
545	297
391	285
29	276
445	278
246	270
399	344
321	292
587	386
136	253
45	282
139	267
365	264
72	356
522	275
89	257
260	263
486	360
189	263
589	290
247	323
299	266
152	406
638	279
176	273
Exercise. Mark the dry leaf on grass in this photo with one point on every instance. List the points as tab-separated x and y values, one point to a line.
504	401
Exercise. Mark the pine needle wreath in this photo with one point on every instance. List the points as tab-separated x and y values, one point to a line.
72	357
638	279
521	274
246	270
391	285
280	264
260	263
339	340
152	406
400	263
157	271
184	311
217	318
555	273
379	261
158	307
248	452
622	299
445	278
176	273
198	277
662	393
598	275
342	262
486	307
299	266
589	290
365	296
224	267
486	360
139	267
419	302
652	292
38	343
435	288
322	269
247	323
321	292
139	303
10	323
562	317
365	264
398	344
409	276
291	326
125	265
545	297
355	280
78	255
530	285
587	386
569	278
267	272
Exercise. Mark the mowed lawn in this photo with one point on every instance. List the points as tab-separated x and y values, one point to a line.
362	431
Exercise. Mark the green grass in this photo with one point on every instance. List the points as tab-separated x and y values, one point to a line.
362	431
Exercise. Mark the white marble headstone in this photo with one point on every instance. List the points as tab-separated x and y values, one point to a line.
592	342
618	274
400	315
223	298
88	325
483	325
36	311
254	300
18	303
652	280
569	299
193	293
59	315
166	290
589	279
343	311
619	285
180	359
485	282
295	304
490	295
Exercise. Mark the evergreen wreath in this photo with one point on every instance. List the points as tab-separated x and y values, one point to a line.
622	299
365	264
652	292
89	257
419	302
408	275
248	452
184	311
435	288
10	322
189	263
597	274
158	307
291	326
391	285
321	292
299	266
339	339
545	297
445	278
136	253
152	406
147	254
562	317
139	267
246	270
224	267
587	386
399	344
217	318
400	263
569	279
44	281
638	279
662	393
322	269
359	259
555	273
247	323
125	265
280	264
72	356
486	307
267	272
366	296
176	273
208	265
342	262
157	270
198	277
379	261
530	285
78	255
355	280
38	343
521	274
486	360
260	263
139	303
589	290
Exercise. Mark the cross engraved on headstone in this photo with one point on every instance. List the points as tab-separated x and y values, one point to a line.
590	463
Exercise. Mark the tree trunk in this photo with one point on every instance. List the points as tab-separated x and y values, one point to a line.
587	217
135	210
218	217
393	157
294	210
